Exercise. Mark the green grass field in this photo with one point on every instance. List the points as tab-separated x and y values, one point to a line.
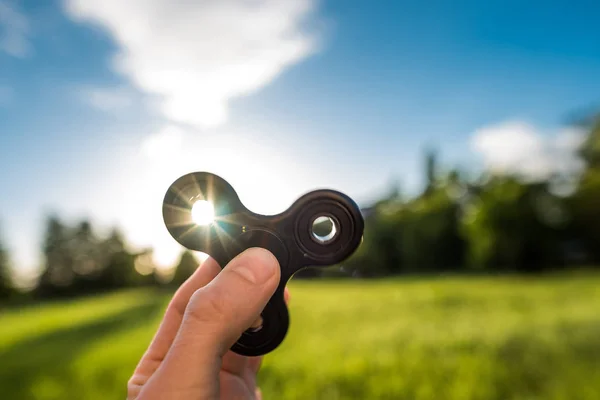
453	338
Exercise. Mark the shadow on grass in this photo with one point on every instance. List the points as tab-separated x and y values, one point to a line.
49	356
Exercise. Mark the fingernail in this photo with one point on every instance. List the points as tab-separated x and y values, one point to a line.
257	265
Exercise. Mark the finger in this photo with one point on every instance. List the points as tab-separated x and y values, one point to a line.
219	313
240	365
254	364
258	321
174	314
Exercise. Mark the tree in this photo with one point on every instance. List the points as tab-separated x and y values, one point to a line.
590	150
6	285
117	264
57	275
418	235
88	264
146	271
583	206
584	202
515	226
431	240
431	170
185	268
379	252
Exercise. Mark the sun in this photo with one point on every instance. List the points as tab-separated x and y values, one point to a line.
203	212
261	188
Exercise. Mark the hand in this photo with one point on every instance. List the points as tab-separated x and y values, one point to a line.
189	357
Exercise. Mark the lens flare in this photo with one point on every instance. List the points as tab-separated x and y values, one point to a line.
203	212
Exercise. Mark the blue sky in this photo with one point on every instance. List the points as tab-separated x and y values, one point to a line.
104	104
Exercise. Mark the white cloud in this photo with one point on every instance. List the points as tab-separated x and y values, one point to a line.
107	98
517	147
199	55
164	144
14	31
191	59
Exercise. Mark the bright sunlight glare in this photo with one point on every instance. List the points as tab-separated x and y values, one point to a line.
203	212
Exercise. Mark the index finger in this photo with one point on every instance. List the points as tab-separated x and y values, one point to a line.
242	366
171	322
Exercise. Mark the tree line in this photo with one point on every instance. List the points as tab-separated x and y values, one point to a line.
78	261
493	224
490	224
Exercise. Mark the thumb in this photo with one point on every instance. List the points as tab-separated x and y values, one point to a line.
218	313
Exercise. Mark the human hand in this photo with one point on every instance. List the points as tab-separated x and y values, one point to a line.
189	357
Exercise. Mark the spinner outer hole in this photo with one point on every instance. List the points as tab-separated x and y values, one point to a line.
177	207
340	246
335	226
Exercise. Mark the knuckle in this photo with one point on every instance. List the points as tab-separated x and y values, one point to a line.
206	308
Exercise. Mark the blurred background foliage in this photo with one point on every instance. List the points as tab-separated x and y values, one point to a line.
493	223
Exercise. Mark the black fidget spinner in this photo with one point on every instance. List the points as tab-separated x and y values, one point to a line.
324	227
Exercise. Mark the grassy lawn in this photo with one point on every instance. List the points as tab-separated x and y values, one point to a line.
452	338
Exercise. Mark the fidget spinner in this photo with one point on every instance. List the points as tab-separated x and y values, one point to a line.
203	213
